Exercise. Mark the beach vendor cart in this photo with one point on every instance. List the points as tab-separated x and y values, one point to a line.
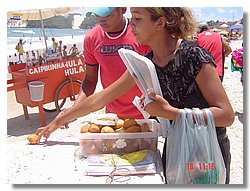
50	81
48	86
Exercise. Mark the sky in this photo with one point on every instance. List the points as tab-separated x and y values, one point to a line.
224	14
202	14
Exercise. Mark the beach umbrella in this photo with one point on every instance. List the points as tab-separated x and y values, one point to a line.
38	14
236	27
224	26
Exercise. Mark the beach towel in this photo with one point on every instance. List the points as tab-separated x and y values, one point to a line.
237	60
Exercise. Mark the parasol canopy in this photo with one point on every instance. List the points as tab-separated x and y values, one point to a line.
236	27
39	14
34	14
224	26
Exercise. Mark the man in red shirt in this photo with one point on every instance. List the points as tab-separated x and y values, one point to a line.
212	42
101	46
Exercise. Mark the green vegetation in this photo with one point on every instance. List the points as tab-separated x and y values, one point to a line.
62	22
54	22
216	24
88	22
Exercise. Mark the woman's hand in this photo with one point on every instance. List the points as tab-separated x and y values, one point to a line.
61	121
156	107
50	128
45	132
160	107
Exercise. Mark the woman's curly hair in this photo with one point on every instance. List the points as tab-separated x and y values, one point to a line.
180	22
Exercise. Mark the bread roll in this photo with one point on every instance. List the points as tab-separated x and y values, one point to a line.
144	145
33	139
132	146
145	128
108	146
132	129
128	123
119	124
107	129
85	128
94	128
91	148
121	130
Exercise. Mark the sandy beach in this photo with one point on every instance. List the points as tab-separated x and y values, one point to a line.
35	164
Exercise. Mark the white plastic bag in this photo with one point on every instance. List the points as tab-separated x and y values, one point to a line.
193	155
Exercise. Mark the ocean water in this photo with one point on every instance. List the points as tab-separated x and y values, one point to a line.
35	40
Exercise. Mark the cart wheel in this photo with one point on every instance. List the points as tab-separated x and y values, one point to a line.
49	107
65	90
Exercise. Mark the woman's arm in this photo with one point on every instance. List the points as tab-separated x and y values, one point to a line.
213	92
215	95
92	103
98	100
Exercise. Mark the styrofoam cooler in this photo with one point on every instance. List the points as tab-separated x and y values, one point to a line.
36	89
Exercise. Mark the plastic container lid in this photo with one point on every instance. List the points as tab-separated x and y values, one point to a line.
153	125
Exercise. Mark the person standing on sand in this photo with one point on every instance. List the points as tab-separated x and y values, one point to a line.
73	50
64	51
213	42
59	48
19	48
54	45
186	74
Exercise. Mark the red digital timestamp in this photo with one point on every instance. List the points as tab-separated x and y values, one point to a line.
201	166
